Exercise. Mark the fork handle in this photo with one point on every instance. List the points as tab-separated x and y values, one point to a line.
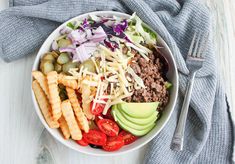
178	138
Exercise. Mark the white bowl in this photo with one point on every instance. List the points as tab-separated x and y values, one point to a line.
172	76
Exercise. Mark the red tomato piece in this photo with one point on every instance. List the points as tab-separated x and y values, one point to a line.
98	109
101	116
95	137
127	137
109	127
97	118
113	143
82	142
109	115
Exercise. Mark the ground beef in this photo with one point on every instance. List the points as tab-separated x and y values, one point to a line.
153	75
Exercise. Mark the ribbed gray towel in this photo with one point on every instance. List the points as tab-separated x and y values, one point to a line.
208	136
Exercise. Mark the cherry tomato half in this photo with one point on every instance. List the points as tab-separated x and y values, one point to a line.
82	142
98	108
98	117
109	115
109	127
127	137
113	143
95	137
101	116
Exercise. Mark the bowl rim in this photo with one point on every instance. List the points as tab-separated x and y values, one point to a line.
63	141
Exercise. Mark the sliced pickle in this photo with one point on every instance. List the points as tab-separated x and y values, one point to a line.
55	54
49	57
89	65
69	65
63	58
58	67
46	66
64	43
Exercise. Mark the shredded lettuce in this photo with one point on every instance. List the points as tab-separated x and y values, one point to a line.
148	35
151	33
168	85
134	37
95	17
90	21
74	25
70	24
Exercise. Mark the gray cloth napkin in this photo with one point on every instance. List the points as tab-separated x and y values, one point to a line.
208	135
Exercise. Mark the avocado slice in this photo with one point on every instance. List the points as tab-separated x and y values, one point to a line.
129	129
128	123
138	110
141	121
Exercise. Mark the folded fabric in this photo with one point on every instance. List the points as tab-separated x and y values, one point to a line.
208	135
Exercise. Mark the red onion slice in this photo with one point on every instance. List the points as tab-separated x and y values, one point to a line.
54	45
67	49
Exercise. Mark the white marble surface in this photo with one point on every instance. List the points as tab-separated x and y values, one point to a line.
22	136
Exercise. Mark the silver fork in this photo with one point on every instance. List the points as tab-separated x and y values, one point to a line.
194	62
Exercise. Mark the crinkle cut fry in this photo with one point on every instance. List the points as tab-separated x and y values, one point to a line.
64	128
72	83
44	105
86	92
41	79
68	114
82	120
54	94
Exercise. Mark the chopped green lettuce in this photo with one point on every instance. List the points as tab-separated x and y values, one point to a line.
70	25
168	85
134	37
152	34
148	35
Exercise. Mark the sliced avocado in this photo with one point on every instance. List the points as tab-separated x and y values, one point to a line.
129	129
138	110
141	121
128	123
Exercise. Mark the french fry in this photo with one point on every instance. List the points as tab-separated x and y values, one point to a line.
41	79
86	92
72	83
44	105
82	120
54	94
68	114
64	127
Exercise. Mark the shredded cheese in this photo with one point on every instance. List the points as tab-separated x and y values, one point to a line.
110	84
100	101
122	75
123	88
94	62
107	106
96	96
111	88
90	83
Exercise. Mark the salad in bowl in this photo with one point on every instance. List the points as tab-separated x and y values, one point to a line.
103	82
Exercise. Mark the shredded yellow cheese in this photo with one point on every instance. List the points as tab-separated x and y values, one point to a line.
112	81
94	62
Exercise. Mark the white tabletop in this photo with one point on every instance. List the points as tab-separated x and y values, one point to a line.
22	136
